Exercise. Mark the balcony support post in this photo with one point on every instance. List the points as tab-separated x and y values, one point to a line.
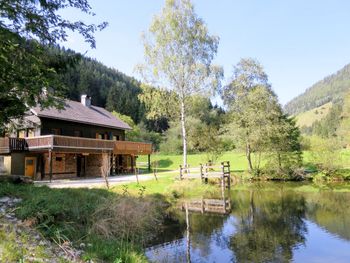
149	162
50	164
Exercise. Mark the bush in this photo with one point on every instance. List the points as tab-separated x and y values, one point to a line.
128	219
326	156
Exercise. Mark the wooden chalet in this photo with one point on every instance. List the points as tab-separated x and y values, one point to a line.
80	140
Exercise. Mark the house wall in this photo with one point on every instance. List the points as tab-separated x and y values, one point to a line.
64	165
4	168
17	163
94	165
69	128
7	164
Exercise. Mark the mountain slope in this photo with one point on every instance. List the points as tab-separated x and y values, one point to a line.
308	118
330	89
108	87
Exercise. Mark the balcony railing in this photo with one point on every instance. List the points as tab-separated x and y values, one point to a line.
8	145
73	144
136	148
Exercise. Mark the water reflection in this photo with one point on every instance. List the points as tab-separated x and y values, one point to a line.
269	227
275	225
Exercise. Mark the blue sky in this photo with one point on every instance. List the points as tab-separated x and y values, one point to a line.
298	41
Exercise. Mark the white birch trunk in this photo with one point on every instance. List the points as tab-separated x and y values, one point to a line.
184	135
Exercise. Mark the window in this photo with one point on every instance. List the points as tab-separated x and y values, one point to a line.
77	133
31	133
59	159
21	134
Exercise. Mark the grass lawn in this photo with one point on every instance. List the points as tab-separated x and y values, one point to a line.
172	162
237	160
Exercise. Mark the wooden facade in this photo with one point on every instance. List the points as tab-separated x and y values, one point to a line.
54	148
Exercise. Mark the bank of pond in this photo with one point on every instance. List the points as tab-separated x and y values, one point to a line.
251	222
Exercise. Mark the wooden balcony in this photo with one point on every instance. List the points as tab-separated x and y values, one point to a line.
72	144
135	148
8	145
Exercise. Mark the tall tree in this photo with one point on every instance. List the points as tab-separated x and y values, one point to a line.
27	29
259	124
252	104
178	51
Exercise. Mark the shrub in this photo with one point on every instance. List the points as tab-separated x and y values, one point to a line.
128	219
326	156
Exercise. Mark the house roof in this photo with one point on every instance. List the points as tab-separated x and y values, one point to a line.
76	112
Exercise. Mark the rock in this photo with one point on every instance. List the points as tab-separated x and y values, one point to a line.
42	243
5	199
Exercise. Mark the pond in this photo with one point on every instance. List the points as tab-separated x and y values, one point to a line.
271	222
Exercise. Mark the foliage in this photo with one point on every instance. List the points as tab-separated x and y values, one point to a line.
108	87
27	65
330	89
257	122
327	126
285	147
139	133
178	54
172	141
159	103
326	156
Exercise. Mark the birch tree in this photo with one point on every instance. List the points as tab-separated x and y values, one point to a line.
178	54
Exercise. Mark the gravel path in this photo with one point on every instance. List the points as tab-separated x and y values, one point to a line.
99	182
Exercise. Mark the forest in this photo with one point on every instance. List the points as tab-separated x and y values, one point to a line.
171	104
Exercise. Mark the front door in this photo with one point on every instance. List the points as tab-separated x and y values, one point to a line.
80	166
30	165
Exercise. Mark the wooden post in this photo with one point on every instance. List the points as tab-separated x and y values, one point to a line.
228	175
206	173
50	164
181	172
137	175
113	164
149	163
223	177
202	208
201	171
155	169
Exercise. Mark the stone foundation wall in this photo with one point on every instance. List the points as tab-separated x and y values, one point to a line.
94	165
63	166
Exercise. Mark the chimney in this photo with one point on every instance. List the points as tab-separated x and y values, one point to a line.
86	100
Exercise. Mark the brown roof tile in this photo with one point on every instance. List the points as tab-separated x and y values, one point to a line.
76	112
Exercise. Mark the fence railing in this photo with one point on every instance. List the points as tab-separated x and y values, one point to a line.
8	145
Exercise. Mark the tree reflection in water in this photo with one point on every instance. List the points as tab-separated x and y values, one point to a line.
269	226
268	223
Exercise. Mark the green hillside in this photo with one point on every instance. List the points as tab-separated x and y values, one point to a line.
108	87
330	89
308	118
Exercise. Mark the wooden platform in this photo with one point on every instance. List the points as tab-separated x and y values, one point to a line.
216	206
208	171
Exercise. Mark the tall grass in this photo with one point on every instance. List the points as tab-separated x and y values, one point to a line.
114	226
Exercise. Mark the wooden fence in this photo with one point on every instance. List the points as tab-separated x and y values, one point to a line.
208	171
216	206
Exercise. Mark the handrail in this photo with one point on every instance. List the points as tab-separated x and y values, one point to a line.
73	143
